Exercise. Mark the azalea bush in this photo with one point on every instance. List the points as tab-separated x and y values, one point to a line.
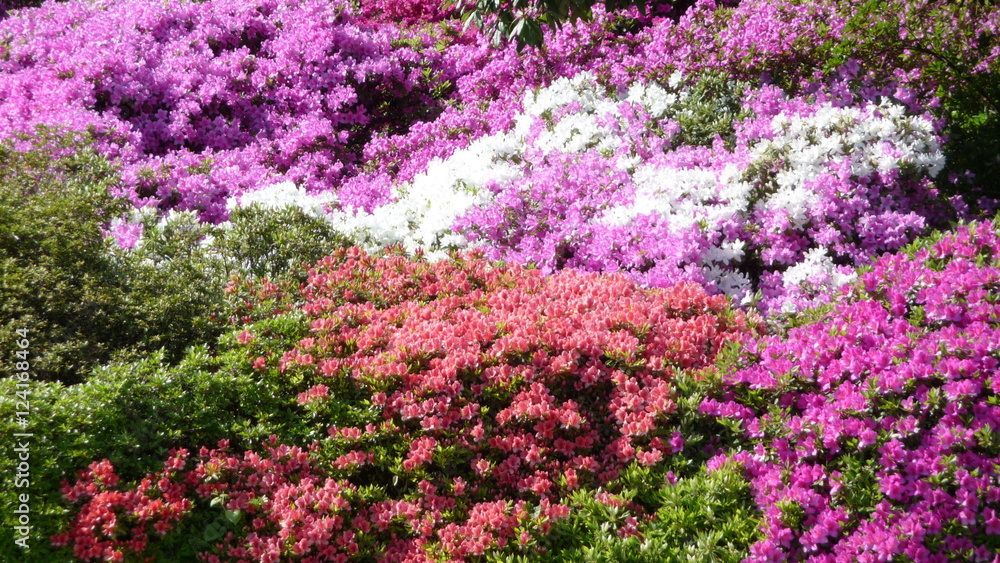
130	412
939	56
462	403
875	425
705	516
203	100
591	181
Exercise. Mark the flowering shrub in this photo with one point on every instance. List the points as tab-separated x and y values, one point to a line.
468	395
588	181
913	45
114	523
928	55
203	100
876	426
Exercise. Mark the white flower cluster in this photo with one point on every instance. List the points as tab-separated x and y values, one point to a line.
282	195
654	98
577	114
875	138
816	267
693	198
577	130
720	266
423	211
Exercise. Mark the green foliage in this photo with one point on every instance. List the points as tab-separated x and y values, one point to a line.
269	396
181	268
174	290
83	300
974	131
692	515
131	414
268	243
57	278
709	516
177	275
710	109
860	490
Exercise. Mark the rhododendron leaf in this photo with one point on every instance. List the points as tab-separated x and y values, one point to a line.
214	531
233	516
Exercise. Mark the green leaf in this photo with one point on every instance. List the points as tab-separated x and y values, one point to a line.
234	516
214	531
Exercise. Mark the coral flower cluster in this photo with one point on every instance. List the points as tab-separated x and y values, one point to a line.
492	392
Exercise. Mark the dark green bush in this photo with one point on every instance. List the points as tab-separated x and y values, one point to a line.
522	20
87	302
178	274
82	299
710	109
57	279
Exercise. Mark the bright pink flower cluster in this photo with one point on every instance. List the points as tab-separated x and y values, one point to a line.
406	11
873	432
489	84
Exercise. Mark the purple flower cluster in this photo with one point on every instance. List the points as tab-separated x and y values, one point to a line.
796	43
806	214
874	432
486	93
204	100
